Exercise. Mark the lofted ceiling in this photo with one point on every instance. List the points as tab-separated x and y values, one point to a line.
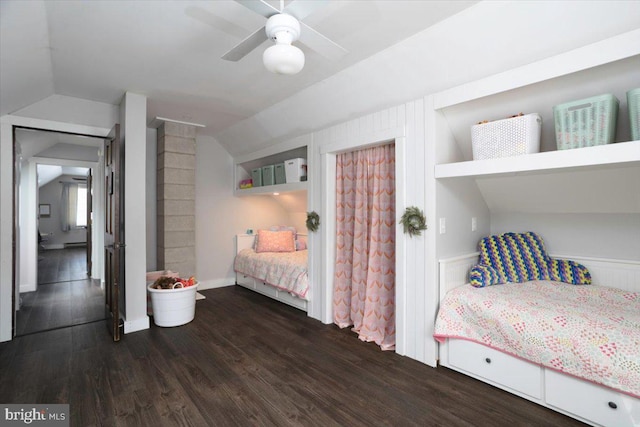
170	51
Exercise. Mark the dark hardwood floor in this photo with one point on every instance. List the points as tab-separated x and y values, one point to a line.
65	295
62	265
247	360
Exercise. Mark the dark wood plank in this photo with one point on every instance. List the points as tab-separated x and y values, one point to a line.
65	296
247	360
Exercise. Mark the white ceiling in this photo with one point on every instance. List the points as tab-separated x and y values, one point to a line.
170	51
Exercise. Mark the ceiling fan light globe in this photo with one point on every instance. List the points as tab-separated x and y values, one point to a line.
283	59
280	23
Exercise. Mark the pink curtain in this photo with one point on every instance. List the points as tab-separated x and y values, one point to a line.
364	283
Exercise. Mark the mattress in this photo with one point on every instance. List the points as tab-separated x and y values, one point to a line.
283	270
590	332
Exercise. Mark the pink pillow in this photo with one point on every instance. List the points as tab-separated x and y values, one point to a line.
275	241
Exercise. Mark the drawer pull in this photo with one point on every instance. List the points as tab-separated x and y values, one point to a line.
488	360
613	405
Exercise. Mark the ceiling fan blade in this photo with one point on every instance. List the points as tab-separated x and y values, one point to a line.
321	44
260	7
246	46
301	9
205	17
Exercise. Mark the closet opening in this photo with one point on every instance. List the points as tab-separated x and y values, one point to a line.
389	325
364	279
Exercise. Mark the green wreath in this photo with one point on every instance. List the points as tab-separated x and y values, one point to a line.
413	221
313	221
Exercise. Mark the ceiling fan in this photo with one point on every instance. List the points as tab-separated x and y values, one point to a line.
283	26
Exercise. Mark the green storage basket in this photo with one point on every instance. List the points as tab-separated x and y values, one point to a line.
268	175
280	176
256	177
586	122
633	101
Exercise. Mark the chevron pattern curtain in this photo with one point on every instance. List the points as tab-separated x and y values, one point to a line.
364	282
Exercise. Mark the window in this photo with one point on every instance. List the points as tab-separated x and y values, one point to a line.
81	207
74	205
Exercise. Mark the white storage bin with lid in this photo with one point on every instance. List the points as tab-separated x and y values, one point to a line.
508	137
295	169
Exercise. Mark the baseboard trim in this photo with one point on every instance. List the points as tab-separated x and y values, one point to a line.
216	283
136	325
53	246
28	287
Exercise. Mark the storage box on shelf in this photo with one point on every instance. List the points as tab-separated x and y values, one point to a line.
280	175
508	137
633	103
586	122
295	169
256	177
268	175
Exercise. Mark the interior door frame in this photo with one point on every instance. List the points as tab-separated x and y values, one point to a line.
9	272
89	222
114	246
93	166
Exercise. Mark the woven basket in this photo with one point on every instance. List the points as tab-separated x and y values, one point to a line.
633	101
505	138
586	122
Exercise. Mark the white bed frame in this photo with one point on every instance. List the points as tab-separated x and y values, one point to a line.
245	241
583	400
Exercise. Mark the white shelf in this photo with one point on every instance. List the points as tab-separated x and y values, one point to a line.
607	51
268	190
618	154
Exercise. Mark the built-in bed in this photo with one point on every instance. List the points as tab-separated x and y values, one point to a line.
572	348
280	275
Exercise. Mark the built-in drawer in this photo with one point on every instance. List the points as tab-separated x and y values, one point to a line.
584	399
287	298
265	289
246	281
496	366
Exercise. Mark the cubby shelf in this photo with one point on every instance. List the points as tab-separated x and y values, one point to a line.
619	154
277	153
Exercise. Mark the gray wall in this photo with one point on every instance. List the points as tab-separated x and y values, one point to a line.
51	194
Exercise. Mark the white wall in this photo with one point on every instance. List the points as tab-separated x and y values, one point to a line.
595	235
66	109
133	128
6	230
27	201
220	215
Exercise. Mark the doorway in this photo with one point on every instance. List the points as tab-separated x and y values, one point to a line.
55	286
324	292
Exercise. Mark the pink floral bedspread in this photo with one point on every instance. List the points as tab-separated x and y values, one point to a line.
590	332
284	270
